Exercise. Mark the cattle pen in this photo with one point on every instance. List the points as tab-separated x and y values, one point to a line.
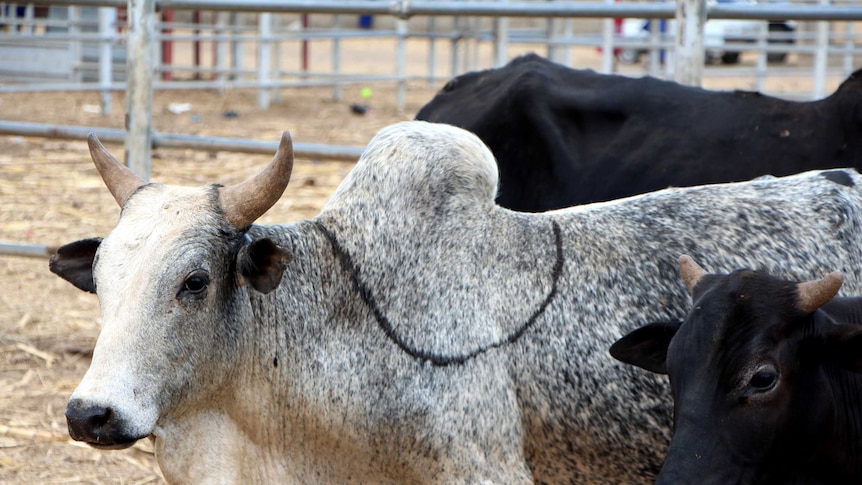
51	194
134	43
148	29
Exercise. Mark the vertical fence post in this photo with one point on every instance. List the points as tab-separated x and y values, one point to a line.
303	47
473	44
275	56
76	48
568	32
821	56
456	39
29	12
222	49
196	44
139	85
167	46
336	61
655	53
237	58
552	30
689	50
107	29
401	61
762	56
432	50
501	40
608	44
263	58
469	39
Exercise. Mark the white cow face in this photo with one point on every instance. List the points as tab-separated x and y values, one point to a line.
160	276
171	281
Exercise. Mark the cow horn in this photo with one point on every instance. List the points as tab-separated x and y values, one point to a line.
691	272
119	179
815	294
244	202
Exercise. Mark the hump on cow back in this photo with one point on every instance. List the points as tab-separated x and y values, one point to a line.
416	226
416	166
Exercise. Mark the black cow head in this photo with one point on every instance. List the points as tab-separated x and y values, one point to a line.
758	374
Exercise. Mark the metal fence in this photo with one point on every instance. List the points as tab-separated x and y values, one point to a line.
109	45
80	47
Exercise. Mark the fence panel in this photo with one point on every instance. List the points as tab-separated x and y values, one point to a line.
81	51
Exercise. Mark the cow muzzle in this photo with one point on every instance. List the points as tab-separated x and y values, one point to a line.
99	426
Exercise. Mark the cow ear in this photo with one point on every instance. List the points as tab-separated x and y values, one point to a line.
261	264
74	263
844	346
647	346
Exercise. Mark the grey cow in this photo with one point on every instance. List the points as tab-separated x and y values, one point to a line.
413	332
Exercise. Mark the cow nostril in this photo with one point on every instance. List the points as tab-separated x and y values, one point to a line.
101	417
86	422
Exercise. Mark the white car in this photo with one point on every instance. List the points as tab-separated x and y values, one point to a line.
724	39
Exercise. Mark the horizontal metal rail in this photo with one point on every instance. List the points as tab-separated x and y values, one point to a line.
402	9
315	79
170	140
110	135
409	8
25	250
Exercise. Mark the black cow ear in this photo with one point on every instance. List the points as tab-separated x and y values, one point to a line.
647	346
261	263
74	263
844	346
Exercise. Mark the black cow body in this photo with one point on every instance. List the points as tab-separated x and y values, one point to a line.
766	381
564	137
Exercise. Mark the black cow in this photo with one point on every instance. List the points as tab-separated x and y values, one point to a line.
564	136
766	381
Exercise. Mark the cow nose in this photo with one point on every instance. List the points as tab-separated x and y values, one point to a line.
100	426
90	423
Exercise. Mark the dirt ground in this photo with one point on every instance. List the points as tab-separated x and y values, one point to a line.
51	194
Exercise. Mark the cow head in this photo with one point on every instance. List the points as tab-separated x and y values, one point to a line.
170	279
751	371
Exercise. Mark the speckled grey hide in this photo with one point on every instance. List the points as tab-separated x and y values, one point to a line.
421	334
450	363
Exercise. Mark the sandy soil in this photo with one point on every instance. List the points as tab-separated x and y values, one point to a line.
51	194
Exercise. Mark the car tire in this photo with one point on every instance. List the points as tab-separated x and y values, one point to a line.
730	58
777	57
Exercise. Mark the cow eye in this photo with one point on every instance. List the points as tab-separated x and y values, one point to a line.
763	380
195	284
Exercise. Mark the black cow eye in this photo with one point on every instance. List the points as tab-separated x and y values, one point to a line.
195	284
763	380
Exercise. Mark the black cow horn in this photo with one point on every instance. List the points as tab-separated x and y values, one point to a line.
691	272
244	202
815	294
119	179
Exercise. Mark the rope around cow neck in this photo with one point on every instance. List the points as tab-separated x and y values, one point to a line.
354	272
